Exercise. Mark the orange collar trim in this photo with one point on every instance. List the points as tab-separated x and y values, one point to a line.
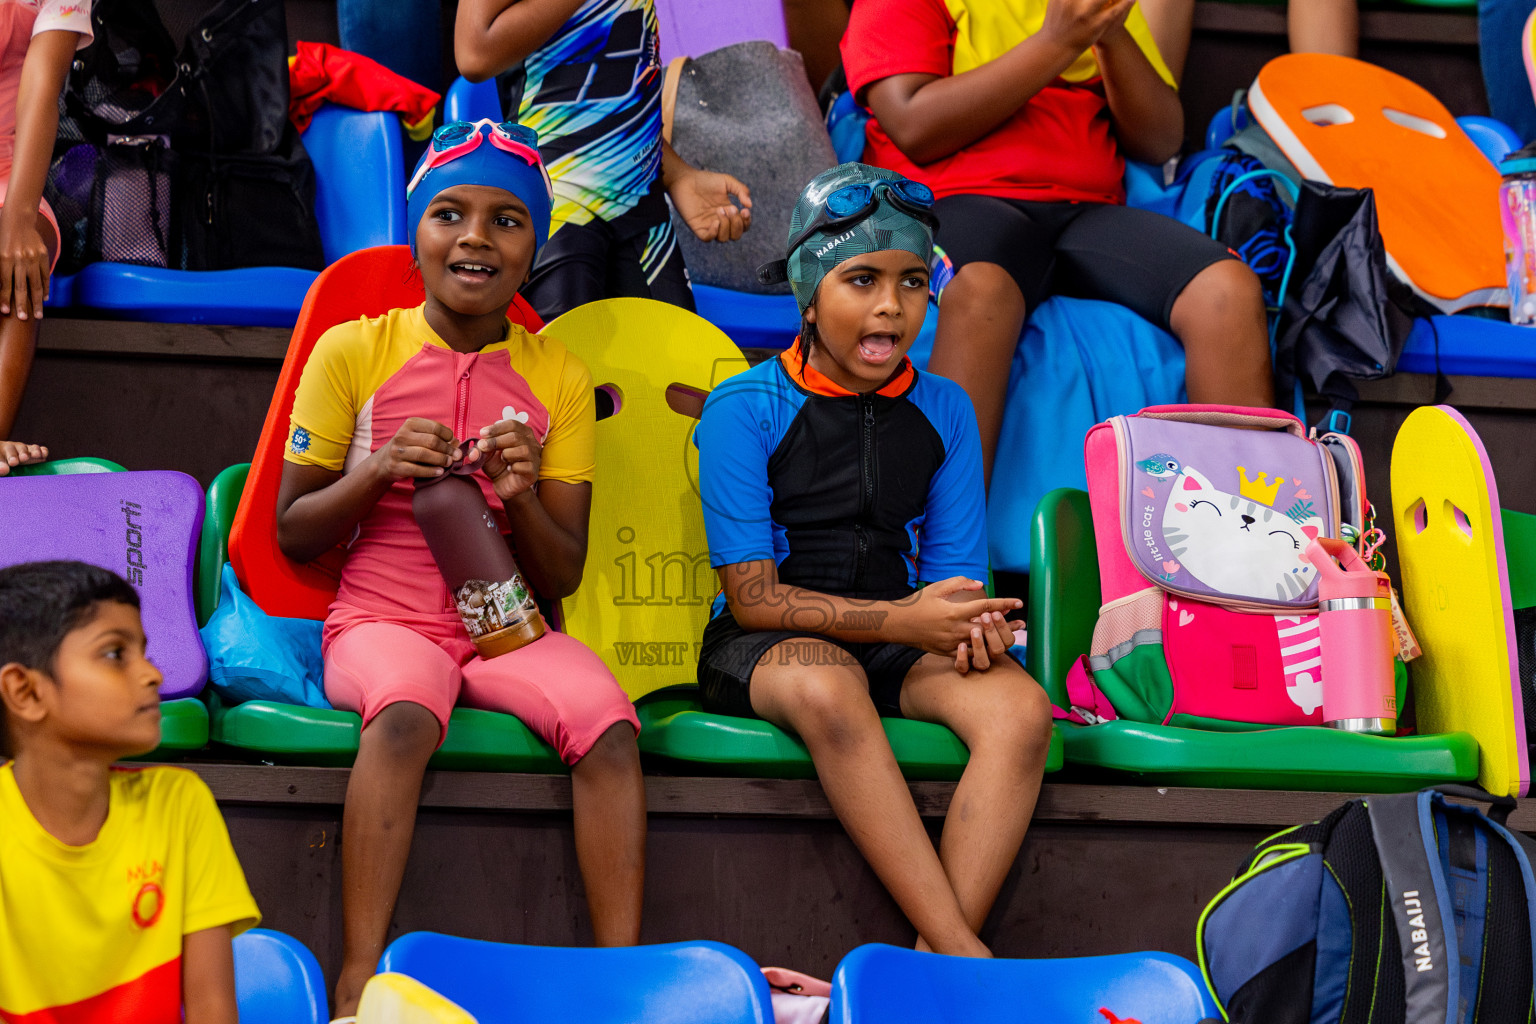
813	380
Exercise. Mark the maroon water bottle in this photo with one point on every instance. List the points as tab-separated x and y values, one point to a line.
493	600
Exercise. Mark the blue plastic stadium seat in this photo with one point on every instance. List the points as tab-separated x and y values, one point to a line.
471	101
750	320
499	983
277	980
359	202
1225	123
1495	138
61	291
1470	346
879	983
248	297
771	321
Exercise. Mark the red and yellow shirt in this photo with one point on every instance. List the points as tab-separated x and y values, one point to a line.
1059	146
93	934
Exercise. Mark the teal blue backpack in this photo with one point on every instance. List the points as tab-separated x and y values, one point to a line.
1403	909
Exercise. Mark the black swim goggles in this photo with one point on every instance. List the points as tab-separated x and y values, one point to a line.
850	204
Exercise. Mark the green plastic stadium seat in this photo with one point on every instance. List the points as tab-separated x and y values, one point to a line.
1063	607
183	727
675	730
213	546
183	724
293	734
68	467
482	741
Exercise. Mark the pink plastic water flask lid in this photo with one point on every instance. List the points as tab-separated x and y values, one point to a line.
1353	579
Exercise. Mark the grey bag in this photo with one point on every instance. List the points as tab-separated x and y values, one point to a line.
748	110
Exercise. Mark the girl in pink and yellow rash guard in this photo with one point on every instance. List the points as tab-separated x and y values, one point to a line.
380	404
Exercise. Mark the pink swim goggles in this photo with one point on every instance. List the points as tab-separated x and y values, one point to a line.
456	138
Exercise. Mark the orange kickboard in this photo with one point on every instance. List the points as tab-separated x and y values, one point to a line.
1353	124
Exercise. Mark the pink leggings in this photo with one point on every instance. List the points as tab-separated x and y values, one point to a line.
556	685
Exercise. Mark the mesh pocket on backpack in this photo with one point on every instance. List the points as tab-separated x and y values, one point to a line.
1120	621
71	181
131	220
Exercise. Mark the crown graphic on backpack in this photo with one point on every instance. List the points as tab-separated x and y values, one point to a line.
1203	515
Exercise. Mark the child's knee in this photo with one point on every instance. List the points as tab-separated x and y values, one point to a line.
981	286
406	732
1226	289
1018	717
1033	707
829	698
613	752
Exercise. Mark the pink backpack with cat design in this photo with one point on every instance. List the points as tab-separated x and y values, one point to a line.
1202	515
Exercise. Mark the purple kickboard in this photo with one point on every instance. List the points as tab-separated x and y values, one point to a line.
142	526
692	28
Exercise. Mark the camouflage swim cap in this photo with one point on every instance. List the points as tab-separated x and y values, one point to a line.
887	226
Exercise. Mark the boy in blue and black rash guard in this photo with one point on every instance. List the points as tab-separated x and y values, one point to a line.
834	480
585	75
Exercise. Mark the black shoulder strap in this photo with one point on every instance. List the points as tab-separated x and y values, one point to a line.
1415	890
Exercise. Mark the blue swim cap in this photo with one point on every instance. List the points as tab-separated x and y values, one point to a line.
486	163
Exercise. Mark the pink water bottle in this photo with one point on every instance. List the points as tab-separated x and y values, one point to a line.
1355	619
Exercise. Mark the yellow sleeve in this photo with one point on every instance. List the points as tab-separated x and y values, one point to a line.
1136	24
570	448
327	400
216	893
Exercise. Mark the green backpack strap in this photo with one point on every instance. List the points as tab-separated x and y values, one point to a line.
1415	892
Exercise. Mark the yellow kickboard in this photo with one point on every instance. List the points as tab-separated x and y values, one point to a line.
647	587
397	999
1450	542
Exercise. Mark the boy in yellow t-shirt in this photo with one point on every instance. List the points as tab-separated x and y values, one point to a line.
119	890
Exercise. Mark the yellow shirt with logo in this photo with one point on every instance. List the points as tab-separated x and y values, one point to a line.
93	934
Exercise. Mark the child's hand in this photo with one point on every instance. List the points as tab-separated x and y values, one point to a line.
14	453
420	448
991	636
938	619
23	270
1115	32
703	199
1077	24
512	455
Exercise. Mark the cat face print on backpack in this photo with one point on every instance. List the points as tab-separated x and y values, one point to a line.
1235	543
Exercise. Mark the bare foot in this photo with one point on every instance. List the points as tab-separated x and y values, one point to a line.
14	453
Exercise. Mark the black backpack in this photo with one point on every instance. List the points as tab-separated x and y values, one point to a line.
183	157
1403	909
